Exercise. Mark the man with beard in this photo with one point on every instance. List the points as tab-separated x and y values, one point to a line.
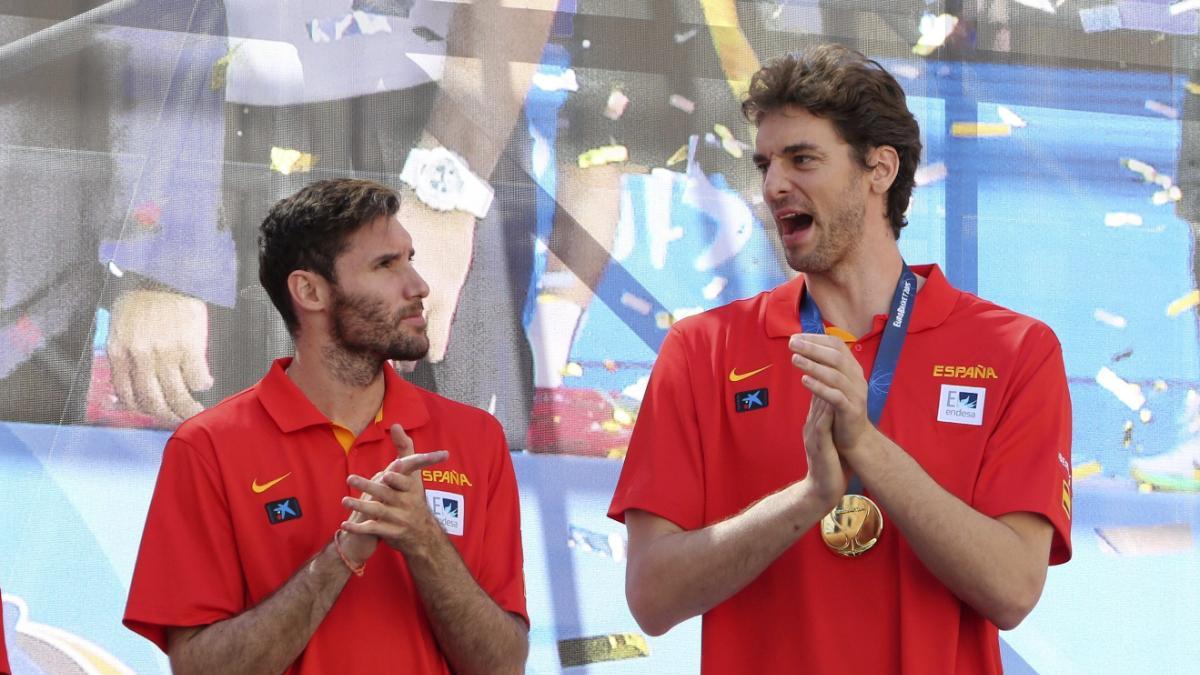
258	557
938	514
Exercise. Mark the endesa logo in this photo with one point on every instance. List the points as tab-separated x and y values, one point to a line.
965	372
961	405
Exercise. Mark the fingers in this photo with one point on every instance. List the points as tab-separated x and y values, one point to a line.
196	374
122	377
404	444
176	392
147	390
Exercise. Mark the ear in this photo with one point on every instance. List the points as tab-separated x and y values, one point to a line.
884	164
310	291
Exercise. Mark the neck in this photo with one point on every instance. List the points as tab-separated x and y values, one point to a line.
852	293
346	388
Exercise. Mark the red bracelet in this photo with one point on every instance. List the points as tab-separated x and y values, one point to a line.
337	544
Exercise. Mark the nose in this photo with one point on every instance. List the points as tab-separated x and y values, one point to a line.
416	286
775	182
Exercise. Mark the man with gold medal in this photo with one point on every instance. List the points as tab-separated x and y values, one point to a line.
914	511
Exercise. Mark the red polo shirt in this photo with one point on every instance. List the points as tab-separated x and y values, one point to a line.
4	667
251	489
979	399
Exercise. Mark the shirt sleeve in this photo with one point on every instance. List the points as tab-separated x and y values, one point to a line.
503	573
1027	462
187	571
663	472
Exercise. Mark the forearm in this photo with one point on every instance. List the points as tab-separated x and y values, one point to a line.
475	634
269	637
686	573
494	52
982	560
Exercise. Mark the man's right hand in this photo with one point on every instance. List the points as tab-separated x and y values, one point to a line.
156	347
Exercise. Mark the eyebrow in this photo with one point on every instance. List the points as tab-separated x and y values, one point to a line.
793	149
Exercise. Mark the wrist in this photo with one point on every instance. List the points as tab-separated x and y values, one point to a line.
348	559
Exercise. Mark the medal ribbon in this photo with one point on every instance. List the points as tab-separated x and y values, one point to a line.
904	300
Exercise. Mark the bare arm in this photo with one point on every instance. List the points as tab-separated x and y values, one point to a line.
995	565
269	637
673	575
475	634
492	53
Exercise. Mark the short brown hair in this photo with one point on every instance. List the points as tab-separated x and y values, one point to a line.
863	101
308	230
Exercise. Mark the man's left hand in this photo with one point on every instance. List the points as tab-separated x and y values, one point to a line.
393	506
833	375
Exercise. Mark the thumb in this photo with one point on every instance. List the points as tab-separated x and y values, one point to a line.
404	444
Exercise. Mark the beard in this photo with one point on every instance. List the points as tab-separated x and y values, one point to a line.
362	327
841	234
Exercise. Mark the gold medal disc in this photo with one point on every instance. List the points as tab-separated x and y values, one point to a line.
853	526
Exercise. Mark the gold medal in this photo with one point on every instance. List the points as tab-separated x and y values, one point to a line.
853	526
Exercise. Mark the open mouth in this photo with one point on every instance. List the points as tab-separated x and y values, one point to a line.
791	223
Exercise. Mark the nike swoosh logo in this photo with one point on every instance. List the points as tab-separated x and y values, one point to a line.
259	489
734	376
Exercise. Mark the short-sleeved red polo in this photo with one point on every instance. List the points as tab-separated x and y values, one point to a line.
251	489
979	399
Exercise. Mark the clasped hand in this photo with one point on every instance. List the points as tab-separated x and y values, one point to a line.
392	506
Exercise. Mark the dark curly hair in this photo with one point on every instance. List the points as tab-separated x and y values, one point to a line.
863	101
308	230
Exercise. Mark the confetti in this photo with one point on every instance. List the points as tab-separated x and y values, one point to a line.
147	214
1147	172
1184	6
930	173
663	320
678	156
934	31
427	34
1139	540
287	160
637	390
1145	415
614	647
610	365
906	70
1129	393
1128	437
563	81
1183	304
731	145
1160	385
608	545
1043	5
605	154
980	130
1162	109
615	107
1085	470
622	416
683	37
1010	118
635	303
1100	19
1122	219
572	370
114	270
220	69
714	288
1192	87
1121	356
682	103
1171	194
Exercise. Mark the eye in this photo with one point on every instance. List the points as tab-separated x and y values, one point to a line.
761	167
800	159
